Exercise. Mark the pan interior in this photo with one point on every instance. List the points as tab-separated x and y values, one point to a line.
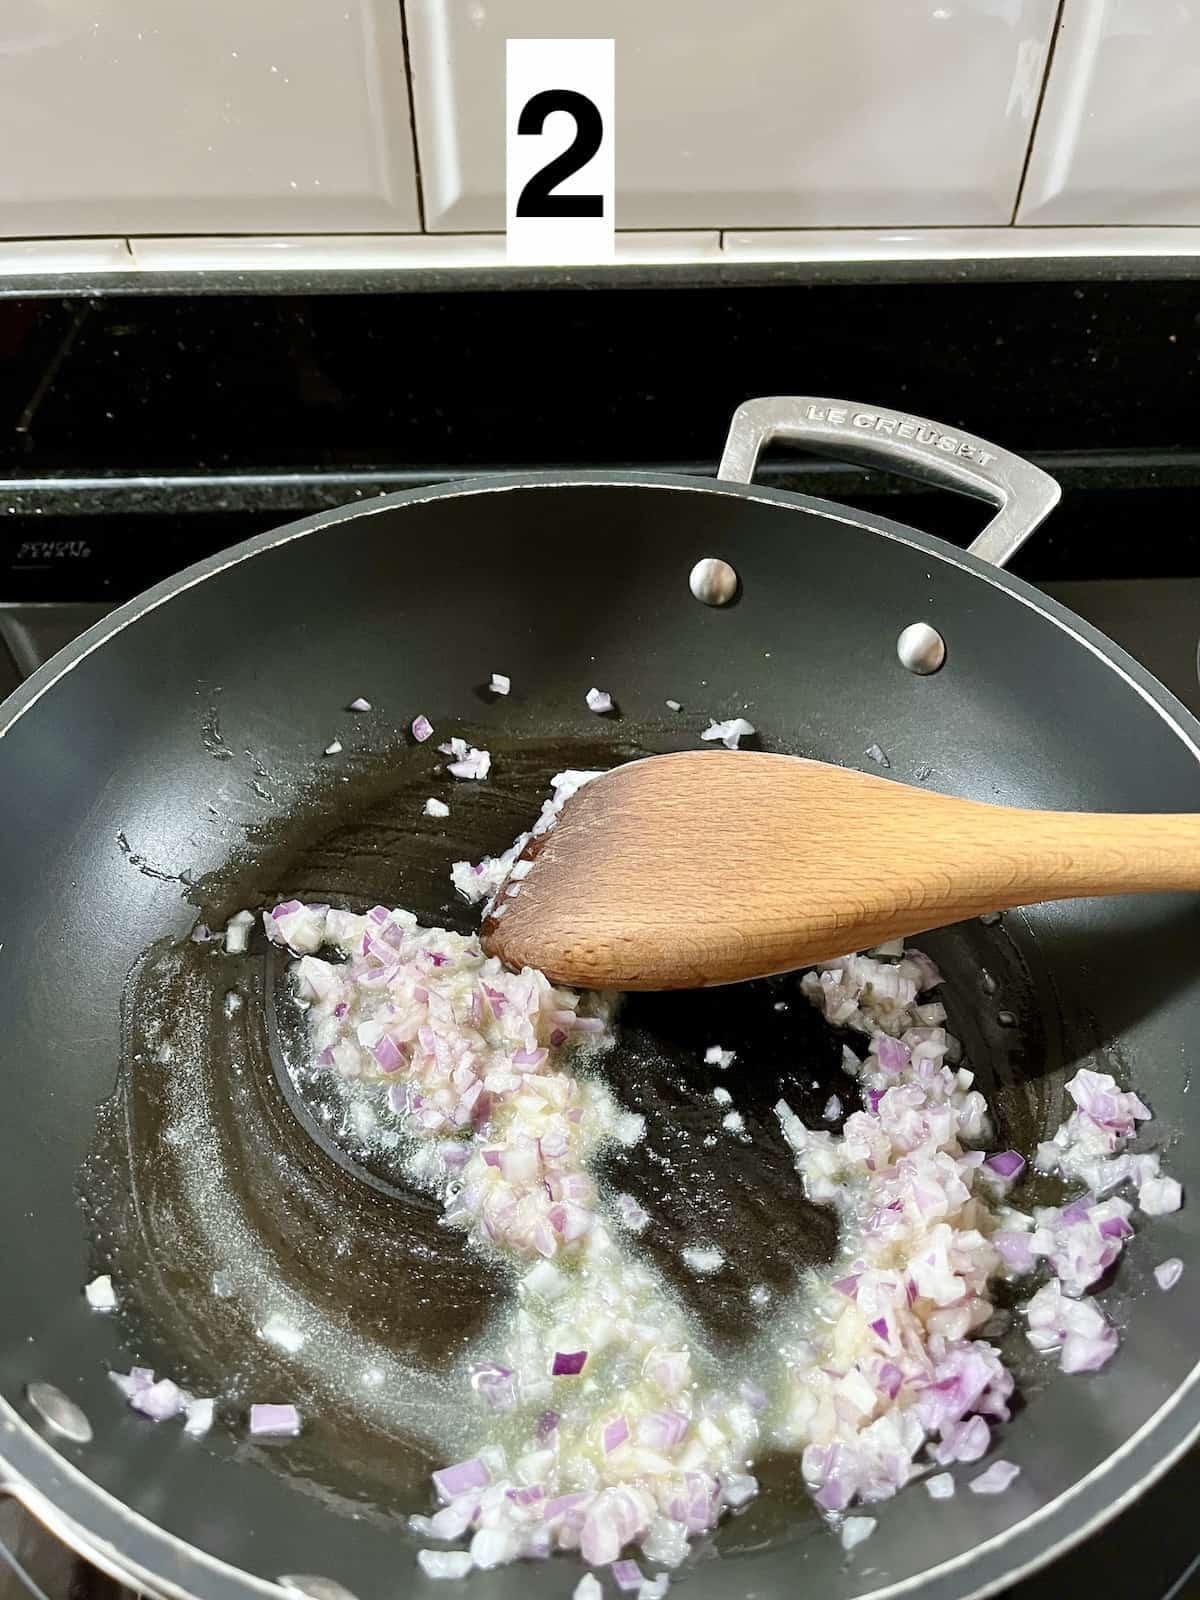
234	1195
202	790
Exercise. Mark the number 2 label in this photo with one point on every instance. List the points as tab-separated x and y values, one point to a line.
559	148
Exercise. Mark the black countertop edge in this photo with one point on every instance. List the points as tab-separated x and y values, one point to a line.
104	494
710	274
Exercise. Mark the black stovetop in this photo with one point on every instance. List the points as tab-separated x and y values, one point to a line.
146	431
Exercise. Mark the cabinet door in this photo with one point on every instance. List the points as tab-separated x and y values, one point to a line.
1119	133
780	113
169	116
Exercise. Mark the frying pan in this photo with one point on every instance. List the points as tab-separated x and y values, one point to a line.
166	769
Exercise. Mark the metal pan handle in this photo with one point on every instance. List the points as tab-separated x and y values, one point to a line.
911	446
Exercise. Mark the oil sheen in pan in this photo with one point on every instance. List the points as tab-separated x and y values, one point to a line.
270	1249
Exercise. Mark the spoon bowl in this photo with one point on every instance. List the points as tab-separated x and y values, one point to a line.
709	867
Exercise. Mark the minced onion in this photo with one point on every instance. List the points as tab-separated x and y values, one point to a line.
200	1416
1158	1196
1168	1273
445	1563
729	732
482	880
274	1421
162	1400
702	1260
855	1529
473	1056
996	1479
890	1358
359	704
159	1401
100	1294
617	1433
237	932
468	762
599	701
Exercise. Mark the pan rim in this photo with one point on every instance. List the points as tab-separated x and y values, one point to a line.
28	1462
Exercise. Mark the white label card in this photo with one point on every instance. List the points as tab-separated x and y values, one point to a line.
559	150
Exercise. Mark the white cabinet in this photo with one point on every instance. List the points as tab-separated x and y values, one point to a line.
775	113
1118	140
204	116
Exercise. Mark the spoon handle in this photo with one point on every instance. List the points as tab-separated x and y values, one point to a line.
1025	856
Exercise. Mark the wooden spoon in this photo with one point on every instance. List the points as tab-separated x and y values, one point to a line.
709	867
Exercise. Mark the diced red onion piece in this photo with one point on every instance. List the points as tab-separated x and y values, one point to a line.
1168	1273
1159	1196
474	764
160	1400
500	684
453	1481
200	1417
1015	1249
1115	1228
569	1506
547	1423
703	1259
855	1530
237	931
568	1363
445	1563
599	701
100	1294
729	732
996	1479
388	1054
615	1434
627	1575
274	1421
422	728
1007	1164
360	704
495	1384
661	1431
890	1379
136	1378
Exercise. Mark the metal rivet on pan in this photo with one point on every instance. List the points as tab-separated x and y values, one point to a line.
59	1414
921	648
317	1588
714	581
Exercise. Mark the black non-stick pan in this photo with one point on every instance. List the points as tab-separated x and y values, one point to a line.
167	770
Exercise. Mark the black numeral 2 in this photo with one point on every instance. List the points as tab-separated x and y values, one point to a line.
538	198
